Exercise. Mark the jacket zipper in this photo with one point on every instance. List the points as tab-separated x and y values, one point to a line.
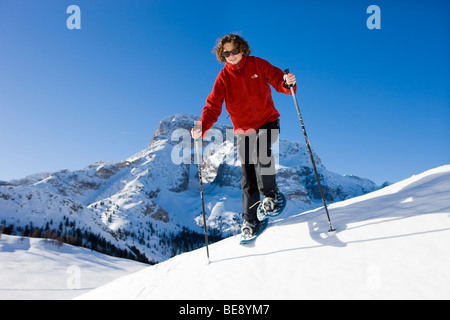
248	97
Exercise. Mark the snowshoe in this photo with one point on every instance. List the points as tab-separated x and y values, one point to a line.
271	207
250	231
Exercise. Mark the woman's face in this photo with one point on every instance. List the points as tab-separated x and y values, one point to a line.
233	59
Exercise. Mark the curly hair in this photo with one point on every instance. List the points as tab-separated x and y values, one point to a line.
236	40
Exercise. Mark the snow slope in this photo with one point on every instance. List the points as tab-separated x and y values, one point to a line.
40	269
390	244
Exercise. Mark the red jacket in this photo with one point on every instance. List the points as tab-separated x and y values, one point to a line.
245	89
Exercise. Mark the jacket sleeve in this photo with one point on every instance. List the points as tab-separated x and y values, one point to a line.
274	76
214	102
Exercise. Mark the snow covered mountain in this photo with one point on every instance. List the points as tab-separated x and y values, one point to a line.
147	207
389	244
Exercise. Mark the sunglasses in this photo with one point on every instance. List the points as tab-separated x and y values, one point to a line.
226	54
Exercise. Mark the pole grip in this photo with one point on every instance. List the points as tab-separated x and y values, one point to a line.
286	71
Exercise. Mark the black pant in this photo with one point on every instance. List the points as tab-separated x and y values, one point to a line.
258	167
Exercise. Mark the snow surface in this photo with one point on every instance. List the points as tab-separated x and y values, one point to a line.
390	244
40	269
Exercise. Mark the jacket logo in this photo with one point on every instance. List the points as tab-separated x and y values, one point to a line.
254	76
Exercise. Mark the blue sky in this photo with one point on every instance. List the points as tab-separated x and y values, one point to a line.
375	102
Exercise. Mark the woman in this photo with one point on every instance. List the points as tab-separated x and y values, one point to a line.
243	84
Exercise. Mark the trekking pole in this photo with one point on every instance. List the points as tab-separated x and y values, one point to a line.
198	148
310	154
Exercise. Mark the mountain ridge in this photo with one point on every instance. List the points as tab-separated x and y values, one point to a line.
147	206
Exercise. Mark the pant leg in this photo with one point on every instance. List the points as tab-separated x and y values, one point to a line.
250	192
249	182
265	170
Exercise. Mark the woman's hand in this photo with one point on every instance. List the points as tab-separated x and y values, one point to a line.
289	79
196	131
